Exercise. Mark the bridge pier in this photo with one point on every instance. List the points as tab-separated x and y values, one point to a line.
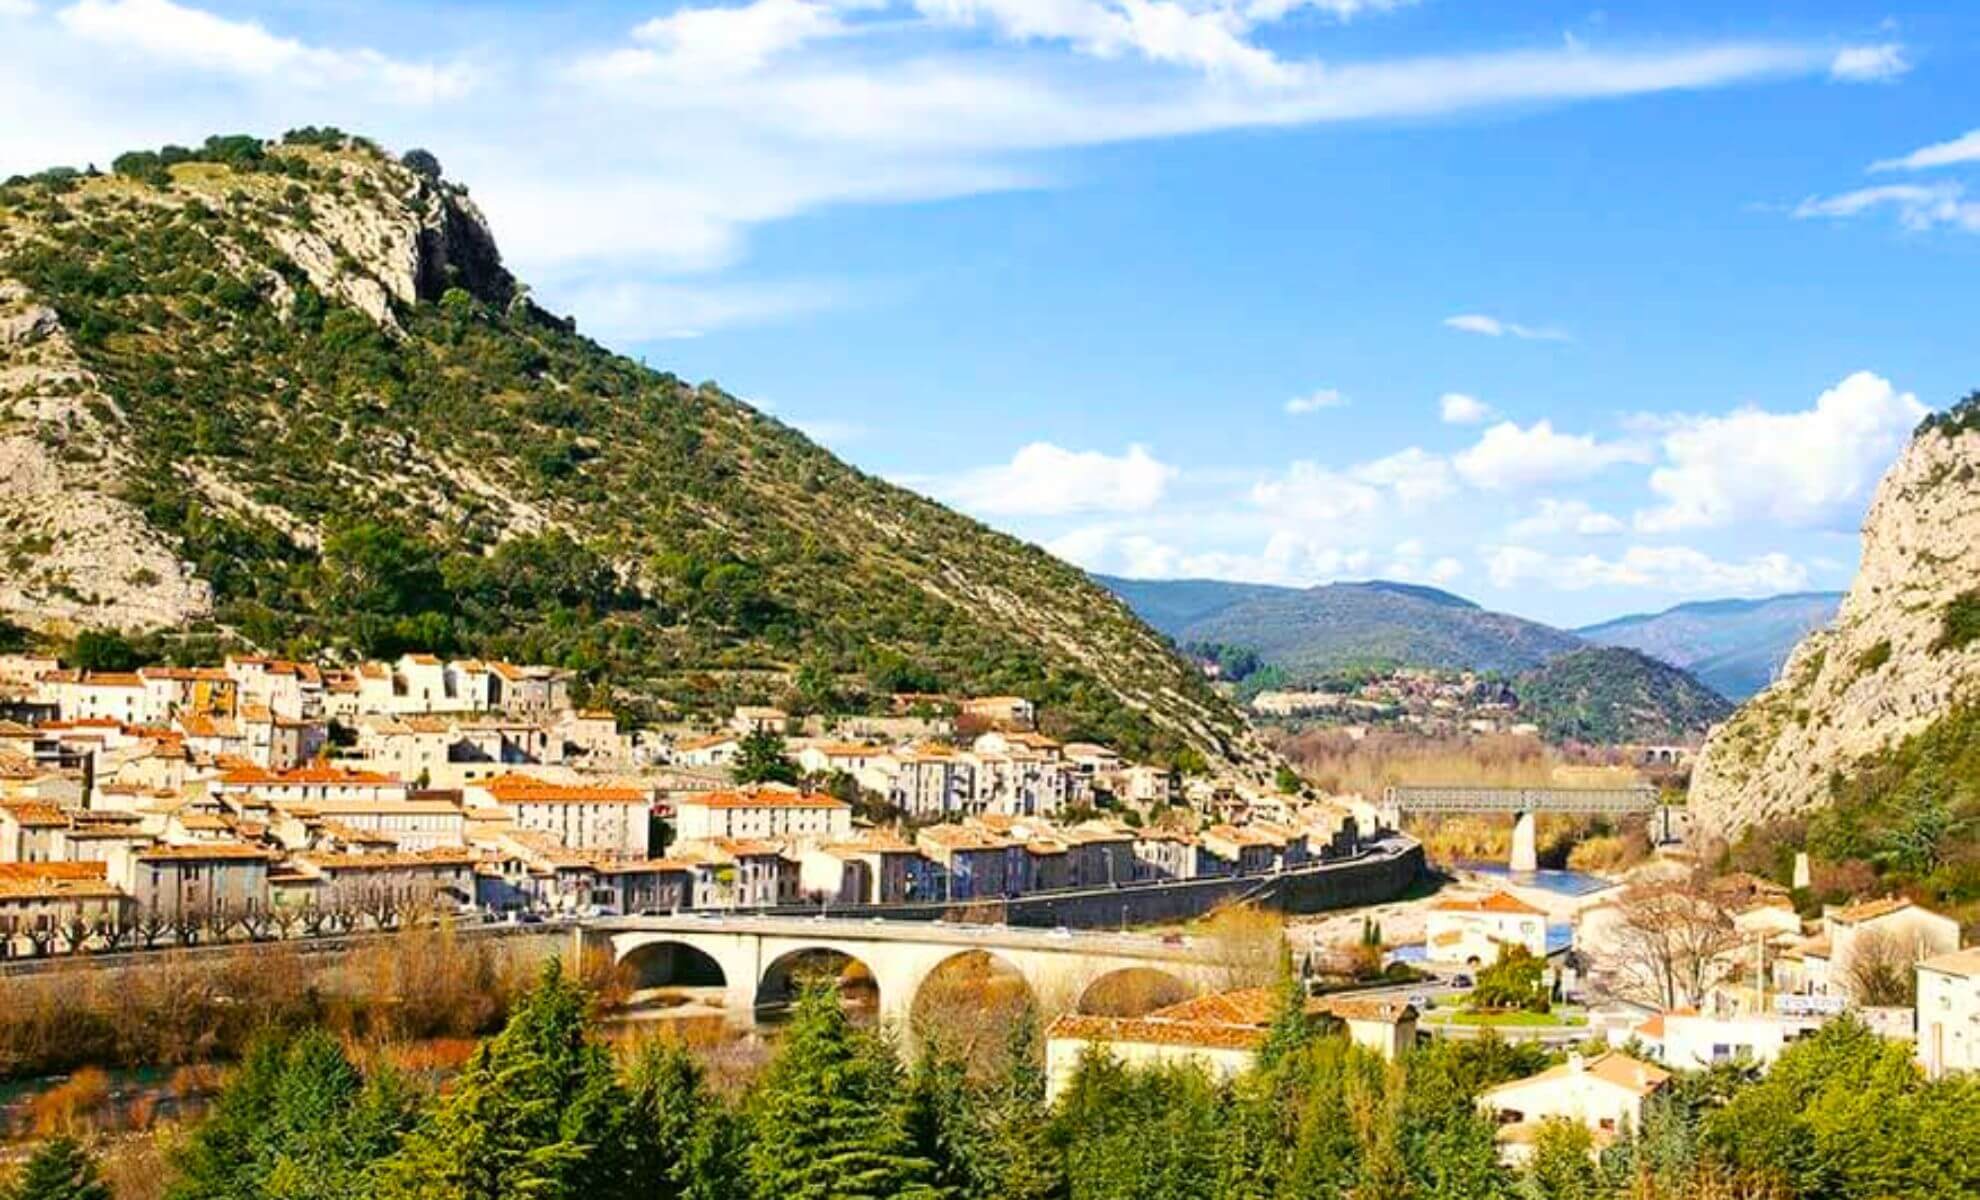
1526	842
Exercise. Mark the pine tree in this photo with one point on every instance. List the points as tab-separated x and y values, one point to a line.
944	1126
219	1160
538	1112
670	1105
1024	1162
59	1169
1291	1027
826	1120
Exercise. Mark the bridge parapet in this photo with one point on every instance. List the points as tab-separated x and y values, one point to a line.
1466	799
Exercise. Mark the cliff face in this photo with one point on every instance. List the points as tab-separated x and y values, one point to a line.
289	391
1898	656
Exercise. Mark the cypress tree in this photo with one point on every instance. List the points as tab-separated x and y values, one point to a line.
538	1112
1024	1163
1291	1028
59	1169
219	1161
826	1120
670	1105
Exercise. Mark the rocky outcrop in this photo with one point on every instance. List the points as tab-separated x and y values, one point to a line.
71	553
1887	668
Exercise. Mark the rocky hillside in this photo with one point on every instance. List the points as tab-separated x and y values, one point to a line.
1309	632
286	393
1611	695
1901	656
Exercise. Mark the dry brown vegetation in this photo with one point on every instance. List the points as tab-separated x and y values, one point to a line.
171	1010
968	1006
1341	764
1247	943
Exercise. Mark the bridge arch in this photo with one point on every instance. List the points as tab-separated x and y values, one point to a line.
657	964
858	985
968	1001
1132	992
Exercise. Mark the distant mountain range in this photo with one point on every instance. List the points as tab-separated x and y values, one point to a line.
1734	646
1311	631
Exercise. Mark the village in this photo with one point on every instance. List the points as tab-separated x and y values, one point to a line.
261	797
264	799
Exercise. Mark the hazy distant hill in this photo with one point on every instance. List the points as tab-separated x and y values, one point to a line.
1611	694
1734	646
1336	625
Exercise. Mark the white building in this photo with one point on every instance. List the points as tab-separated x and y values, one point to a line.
763	812
1949	1012
1688	1041
1606	1093
605	819
1471	930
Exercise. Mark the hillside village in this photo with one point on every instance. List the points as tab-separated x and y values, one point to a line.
170	805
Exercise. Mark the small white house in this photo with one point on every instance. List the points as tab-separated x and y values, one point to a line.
1949	1012
1471	930
1606	1093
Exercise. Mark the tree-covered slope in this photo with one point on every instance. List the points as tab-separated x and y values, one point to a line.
1313	631
1610	694
288	389
1736	647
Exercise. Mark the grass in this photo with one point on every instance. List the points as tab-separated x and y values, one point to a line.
1522	1020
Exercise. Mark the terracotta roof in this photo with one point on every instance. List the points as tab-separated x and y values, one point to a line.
703	743
54	870
35	815
1370	1008
1959	962
1245	1006
962	837
525	789
1614	1068
1870	910
762	798
387	862
641	866
1157	1030
1496	902
224	851
1652	1028
260	777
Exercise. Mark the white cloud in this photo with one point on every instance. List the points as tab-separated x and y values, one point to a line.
17	8
1339	10
1414	475
1680	570
1919	206
1310	492
1046	480
703	42
1813	468
194	38
1285	557
1410	562
1206	39
1457	408
1962	149
1314	401
1577	517
1869	64
1490	326
1509	457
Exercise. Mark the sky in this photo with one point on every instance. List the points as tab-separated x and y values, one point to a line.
1572	310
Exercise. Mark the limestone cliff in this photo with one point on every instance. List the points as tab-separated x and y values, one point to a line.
1903	649
287	391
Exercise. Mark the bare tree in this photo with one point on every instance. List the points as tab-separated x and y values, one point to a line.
1672	942
75	932
1880	971
150	926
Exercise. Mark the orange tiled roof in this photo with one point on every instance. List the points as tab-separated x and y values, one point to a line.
252	776
763	798
223	851
34	814
1497	902
1870	910
1245	1006
526	789
387	862
1615	1068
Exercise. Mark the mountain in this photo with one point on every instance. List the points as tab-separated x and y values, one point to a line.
286	394
1736	647
1612	694
1311	631
1870	731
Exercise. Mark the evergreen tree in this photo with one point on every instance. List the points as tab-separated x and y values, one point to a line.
945	1126
59	1169
538	1112
1563	1164
760	758
219	1160
1022	1161
826	1119
670	1107
326	1125
1291	1027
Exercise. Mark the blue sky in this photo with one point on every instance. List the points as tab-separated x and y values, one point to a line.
1573	310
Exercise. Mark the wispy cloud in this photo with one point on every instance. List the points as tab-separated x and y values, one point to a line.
1490	326
1918	206
1460	408
1869	64
1962	149
1315	401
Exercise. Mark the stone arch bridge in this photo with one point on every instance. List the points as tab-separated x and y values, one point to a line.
749	956
1523	805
